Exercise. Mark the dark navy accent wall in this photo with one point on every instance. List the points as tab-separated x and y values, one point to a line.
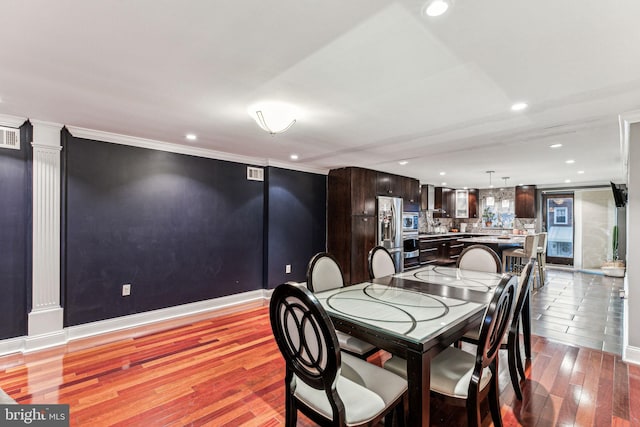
15	236
178	228
296	223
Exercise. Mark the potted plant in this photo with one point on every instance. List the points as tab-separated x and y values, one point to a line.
487	216
615	267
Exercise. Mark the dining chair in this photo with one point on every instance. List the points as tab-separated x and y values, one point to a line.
511	341
479	258
513	260
463	378
541	259
328	386
323	274
380	263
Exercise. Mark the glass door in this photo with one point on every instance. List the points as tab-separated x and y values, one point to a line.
558	218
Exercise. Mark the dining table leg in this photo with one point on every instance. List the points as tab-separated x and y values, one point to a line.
419	386
526	326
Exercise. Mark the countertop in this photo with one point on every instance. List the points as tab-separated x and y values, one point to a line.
496	240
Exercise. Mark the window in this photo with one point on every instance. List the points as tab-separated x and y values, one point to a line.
560	216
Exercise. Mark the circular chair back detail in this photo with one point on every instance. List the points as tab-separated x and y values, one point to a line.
304	336
496	320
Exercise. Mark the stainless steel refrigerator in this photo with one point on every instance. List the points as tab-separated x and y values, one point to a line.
389	231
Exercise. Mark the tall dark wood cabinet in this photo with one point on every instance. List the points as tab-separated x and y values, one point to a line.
445	199
473	203
526	201
351	220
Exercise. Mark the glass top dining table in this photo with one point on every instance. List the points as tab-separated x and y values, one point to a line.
414	315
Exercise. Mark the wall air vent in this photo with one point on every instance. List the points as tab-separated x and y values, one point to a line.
10	138
255	174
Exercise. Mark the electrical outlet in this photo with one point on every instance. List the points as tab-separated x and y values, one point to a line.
126	290
287	268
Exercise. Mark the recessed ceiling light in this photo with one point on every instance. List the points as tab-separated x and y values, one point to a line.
465	188
555	146
436	8
567	181
491	186
293	157
443	173
570	161
191	136
580	172
519	106
403	162
520	185
444	183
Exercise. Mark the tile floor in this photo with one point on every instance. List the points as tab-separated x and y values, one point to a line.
579	308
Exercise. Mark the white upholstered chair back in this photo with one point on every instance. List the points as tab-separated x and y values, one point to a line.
380	263
324	273
479	258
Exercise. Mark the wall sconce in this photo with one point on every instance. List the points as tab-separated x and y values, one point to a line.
273	117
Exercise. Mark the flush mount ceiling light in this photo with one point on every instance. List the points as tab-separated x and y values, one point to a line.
435	8
519	106
293	157
273	117
403	162
191	136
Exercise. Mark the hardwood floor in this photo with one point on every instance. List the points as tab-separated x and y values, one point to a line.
227	371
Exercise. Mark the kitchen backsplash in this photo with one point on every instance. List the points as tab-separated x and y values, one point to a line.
428	224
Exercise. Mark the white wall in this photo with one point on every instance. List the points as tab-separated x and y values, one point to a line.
633	245
595	218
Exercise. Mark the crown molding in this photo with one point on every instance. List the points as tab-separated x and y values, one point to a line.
151	144
297	167
12	121
170	147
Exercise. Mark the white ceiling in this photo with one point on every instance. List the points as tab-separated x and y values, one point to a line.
376	81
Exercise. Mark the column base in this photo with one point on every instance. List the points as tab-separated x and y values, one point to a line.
45	329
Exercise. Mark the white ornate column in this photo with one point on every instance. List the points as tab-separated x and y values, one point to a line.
46	316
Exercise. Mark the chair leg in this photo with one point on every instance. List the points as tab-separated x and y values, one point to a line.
291	412
519	359
473	410
494	400
512	355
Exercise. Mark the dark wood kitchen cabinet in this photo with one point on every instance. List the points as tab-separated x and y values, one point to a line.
473	203
411	194
445	199
525	201
351	215
389	185
351	219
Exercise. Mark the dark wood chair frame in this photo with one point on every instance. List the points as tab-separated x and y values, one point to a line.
514	356
493	253
370	259
494	326
310	268
321	376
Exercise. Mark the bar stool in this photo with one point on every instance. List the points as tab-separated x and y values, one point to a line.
541	259
513	260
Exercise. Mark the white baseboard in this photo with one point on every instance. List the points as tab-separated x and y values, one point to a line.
631	355
28	344
12	345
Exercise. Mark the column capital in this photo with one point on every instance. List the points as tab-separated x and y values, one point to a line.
46	134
